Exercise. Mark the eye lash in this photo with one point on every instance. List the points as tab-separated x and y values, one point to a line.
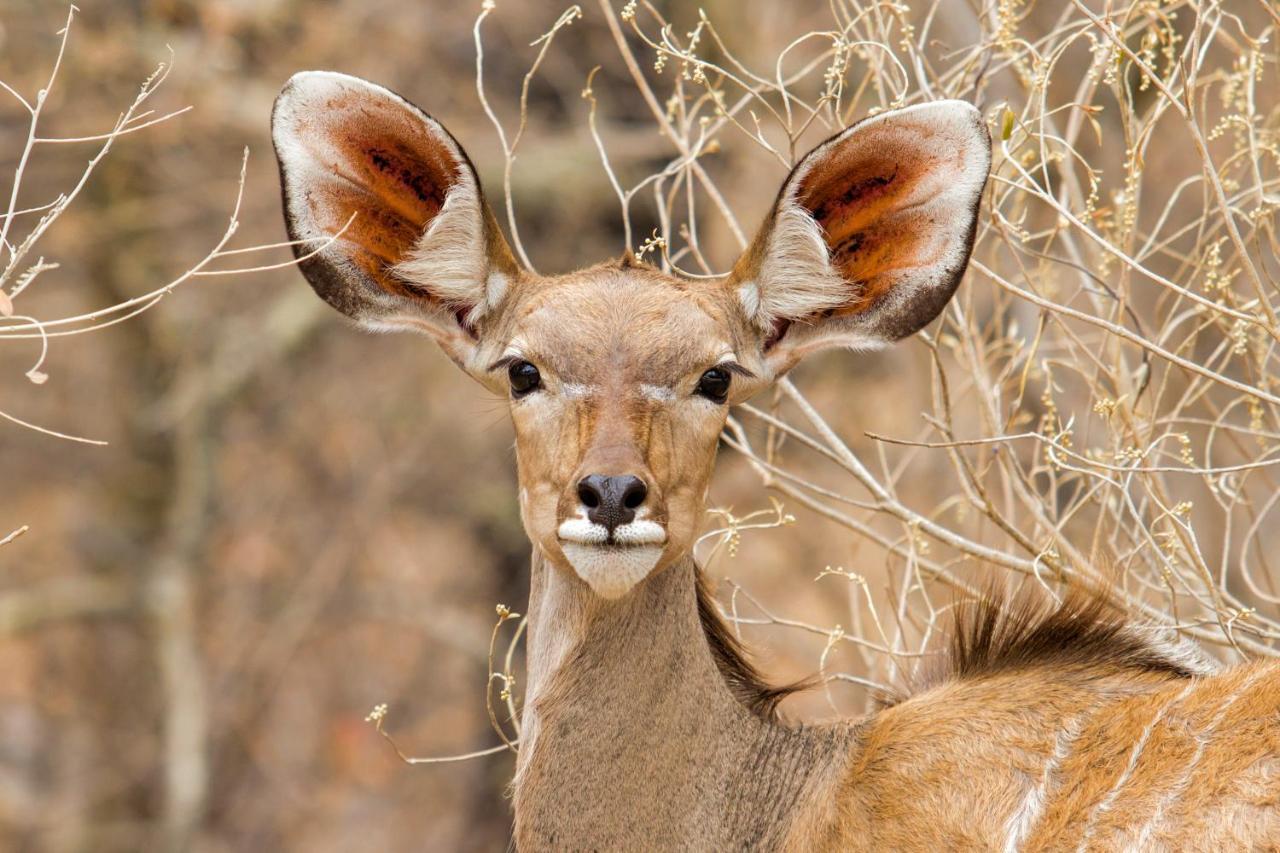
505	361
734	367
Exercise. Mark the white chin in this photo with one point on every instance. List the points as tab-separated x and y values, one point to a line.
610	570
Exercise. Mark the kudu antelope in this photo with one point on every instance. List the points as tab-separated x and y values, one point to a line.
644	725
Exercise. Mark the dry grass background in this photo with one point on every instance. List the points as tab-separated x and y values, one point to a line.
293	522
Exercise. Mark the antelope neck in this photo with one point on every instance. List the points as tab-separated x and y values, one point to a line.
631	737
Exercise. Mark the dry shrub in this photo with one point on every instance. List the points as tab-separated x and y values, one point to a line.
1100	404
1095	406
23	227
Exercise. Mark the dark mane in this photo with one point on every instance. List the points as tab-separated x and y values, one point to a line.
744	680
991	634
996	634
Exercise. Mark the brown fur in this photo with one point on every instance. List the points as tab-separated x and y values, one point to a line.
1074	724
645	726
1051	760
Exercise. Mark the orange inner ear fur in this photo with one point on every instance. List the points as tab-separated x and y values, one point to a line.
862	204
395	177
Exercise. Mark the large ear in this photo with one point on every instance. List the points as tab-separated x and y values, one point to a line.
417	246
870	233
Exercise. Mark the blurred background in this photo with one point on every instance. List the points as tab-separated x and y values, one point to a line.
274	540
295	521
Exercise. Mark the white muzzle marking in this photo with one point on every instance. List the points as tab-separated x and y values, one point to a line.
611	569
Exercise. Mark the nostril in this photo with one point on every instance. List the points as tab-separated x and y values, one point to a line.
611	499
588	495
635	494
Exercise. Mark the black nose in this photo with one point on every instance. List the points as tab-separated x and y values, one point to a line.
611	501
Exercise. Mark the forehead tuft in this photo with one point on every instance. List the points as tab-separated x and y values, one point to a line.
632	320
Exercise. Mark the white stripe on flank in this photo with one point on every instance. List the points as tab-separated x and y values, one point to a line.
1109	800
1019	825
1202	740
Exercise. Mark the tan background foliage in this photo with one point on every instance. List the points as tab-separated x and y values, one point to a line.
293	521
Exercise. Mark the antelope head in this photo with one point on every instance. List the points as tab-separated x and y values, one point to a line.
620	376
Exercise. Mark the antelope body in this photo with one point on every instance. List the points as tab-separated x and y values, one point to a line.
645	728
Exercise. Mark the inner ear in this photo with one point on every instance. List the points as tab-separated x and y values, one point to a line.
777	328
415	244
394	184
870	233
871	200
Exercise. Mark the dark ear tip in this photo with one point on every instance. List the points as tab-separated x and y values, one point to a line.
929	304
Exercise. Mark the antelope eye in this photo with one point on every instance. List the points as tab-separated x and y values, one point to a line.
714	385
524	378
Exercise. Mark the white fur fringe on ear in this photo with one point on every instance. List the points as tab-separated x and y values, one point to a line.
871	231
